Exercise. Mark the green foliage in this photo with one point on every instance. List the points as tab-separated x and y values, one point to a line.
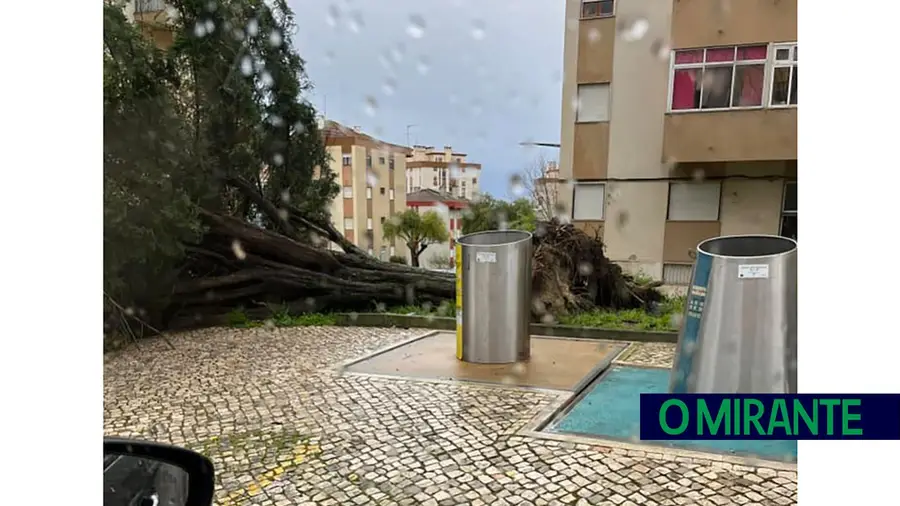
417	230
665	319
280	318
397	259
179	124
489	213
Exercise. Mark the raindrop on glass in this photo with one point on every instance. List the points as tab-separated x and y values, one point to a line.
253	27
416	28
422	65
518	368
593	35
633	30
275	38
380	307
478	30
371	178
355	22
384	61
455	172
370	105
238	250
266	79
329	57
660	50
333	15
246	65
516	185
548	319
278	159
354	316
561	213
698	175
622	219
285	196
210	26
211	6
585	268
398	52
389	86
200	29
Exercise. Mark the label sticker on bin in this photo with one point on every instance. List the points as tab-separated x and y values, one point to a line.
486	257
753	271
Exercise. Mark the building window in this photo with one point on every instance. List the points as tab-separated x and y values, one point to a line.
348	192
346	160
368	161
368	223
435	181
694	201
391	194
381	160
730	77
677	274
382	220
789	211
391	163
474	181
143	6
593	103
393	251
348	223
439	158
783	87
381	190
458	160
369	192
597	9
588	201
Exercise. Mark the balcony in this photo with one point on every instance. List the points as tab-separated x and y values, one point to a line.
731	135
149	6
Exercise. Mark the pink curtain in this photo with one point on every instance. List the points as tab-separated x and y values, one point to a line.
752	53
720	54
752	77
684	89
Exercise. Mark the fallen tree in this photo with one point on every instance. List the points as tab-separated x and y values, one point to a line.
239	265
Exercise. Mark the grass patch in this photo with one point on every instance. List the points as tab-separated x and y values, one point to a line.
665	318
280	318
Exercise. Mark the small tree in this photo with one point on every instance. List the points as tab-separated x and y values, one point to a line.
489	213
542	185
418	231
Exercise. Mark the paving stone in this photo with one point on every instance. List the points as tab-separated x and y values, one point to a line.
283	426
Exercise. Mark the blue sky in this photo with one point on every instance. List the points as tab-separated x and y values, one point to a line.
482	76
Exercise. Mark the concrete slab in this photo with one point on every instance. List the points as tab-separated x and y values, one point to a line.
556	363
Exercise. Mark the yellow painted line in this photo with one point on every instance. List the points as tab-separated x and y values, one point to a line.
459	301
254	488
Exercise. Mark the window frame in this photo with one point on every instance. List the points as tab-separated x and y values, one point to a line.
600	14
575	200
790	63
786	212
348	221
346	159
348	192
733	64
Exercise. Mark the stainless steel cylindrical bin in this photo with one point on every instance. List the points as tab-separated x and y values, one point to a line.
739	333
493	297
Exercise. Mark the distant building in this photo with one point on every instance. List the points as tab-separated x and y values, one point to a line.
444	171
154	18
373	188
546	191
451	209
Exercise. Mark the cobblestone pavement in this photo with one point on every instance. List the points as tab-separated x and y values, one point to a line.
648	354
282	427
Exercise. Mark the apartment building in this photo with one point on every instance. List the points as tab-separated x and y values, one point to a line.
153	17
679	123
444	171
545	191
450	208
373	188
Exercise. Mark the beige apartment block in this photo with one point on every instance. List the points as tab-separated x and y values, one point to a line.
152	16
443	171
679	123
373	188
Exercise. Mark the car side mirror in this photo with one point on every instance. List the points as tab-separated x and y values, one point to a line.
144	473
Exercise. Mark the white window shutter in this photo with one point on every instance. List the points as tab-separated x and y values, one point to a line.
593	103
694	201
589	201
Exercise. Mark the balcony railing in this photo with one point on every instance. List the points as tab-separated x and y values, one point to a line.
145	6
